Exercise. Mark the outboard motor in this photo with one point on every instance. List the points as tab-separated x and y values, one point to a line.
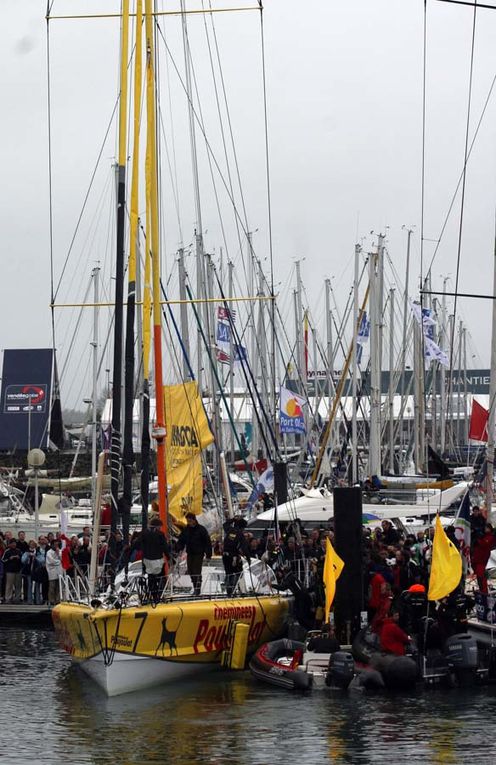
341	669
462	654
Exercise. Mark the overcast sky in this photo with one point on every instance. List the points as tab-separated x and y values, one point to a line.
345	130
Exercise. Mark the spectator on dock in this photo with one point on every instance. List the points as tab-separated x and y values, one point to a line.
12	571
21	541
32	560
54	571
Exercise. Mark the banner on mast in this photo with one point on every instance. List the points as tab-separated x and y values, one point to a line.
291	418
188	433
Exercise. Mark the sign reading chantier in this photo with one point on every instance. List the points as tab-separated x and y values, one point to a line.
26	396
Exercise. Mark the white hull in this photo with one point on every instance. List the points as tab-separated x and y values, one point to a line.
135	673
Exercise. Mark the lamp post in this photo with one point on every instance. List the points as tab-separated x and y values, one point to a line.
36	459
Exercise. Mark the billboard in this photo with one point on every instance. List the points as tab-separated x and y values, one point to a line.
28	384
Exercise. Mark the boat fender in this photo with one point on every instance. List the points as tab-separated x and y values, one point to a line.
370	679
398	672
302	681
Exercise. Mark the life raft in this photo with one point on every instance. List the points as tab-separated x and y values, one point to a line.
278	662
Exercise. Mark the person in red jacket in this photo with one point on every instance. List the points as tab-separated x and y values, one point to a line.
480	555
393	638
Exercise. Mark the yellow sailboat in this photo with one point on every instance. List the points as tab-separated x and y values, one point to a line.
121	640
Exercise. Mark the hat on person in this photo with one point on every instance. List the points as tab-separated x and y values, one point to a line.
416	588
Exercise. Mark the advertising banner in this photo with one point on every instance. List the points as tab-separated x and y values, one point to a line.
26	398
188	433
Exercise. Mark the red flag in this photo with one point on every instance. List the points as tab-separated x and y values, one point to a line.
478	422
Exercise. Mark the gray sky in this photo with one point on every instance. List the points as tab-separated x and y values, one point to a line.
345	120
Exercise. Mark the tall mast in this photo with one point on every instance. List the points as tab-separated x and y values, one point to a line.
492	400
442	384
147	309
184	314
230	267
159	425
391	381
115	456
375	351
406	314
96	298
465	389
129	381
200	260
299	333
354	372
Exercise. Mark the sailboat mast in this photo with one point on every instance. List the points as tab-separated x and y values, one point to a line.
492	399
96	298
115	456
128	451
159	425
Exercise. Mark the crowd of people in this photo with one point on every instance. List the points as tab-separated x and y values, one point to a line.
394	563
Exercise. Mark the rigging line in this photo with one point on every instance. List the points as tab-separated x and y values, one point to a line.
462	202
269	204
219	113
463	170
207	143
86	197
50	180
246	367
229	121
154	13
470	4
172	165
209	158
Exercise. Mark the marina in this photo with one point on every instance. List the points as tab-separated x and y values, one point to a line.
247	490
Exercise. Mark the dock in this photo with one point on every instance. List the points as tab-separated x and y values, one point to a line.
24	615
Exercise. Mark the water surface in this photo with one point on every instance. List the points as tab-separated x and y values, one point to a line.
51	713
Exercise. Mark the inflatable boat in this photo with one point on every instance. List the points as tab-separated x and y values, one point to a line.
278	663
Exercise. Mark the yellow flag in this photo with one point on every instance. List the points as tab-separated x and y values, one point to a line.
333	565
188	434
446	569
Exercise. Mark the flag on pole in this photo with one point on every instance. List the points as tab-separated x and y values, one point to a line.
446	569
463	531
264	485
291	417
478	422
333	565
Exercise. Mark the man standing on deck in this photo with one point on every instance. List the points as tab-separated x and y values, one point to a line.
156	552
235	547
196	540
